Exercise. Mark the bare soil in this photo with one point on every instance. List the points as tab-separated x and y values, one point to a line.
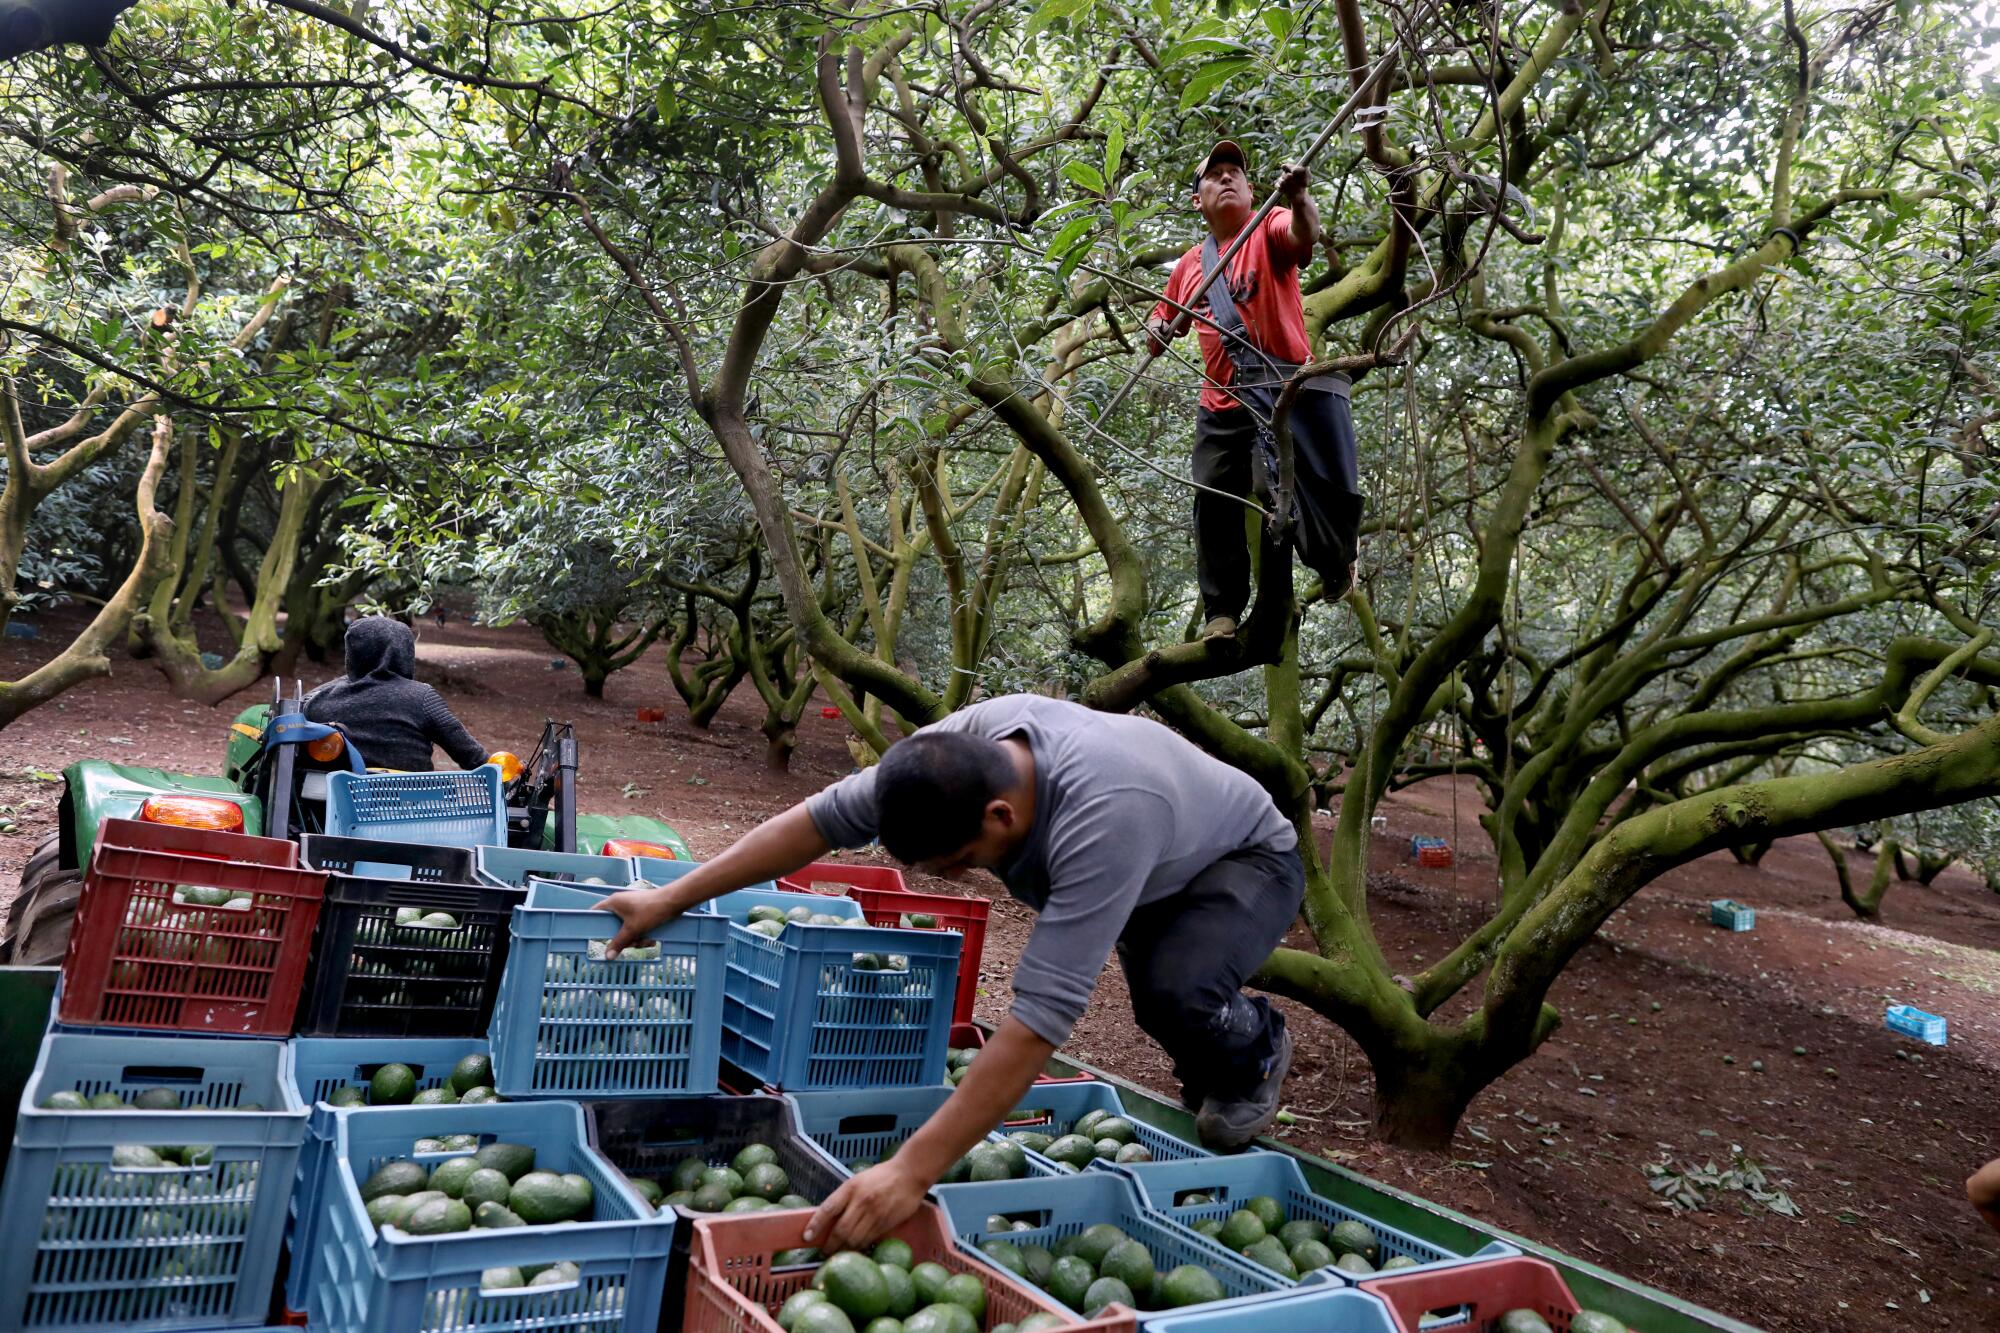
1679	1041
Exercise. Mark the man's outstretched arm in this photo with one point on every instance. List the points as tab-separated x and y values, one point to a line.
864	1208
1983	1189
778	846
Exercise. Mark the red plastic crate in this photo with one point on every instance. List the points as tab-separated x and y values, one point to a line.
138	959
1472	1297
732	1288
884	898
1435	858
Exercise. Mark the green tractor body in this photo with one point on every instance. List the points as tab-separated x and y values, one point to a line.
541	811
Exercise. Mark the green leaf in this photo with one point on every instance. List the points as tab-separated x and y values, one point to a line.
1210	77
1085	175
1069	236
1190	47
1052	10
1279	21
1114	148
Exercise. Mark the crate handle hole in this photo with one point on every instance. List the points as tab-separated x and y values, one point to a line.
191	1074
1215	1193
866	1124
1445	1315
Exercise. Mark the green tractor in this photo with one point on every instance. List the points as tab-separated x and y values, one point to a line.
274	784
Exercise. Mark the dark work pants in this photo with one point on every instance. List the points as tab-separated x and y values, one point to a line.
1186	958
1327	480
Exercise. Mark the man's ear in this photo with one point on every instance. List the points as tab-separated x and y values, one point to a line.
1002	812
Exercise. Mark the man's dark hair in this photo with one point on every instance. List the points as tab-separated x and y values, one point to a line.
931	792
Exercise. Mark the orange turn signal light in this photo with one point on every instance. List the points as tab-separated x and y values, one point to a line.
510	764
328	747
203	812
634	847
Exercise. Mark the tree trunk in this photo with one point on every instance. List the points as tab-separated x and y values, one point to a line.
1750	853
1932	864
1868	906
1420	1097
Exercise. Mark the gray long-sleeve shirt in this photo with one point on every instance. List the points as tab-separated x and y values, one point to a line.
1126	813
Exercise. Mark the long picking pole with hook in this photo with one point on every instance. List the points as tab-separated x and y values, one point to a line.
1362	94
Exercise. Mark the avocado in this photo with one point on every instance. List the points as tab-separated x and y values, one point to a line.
1006	1254
157	1099
1069	1279
435	1097
474	1071
451	1175
1268	1210
392	1085
66	1100
485	1185
1190	1284
1522	1321
541	1197
347	1096
395	1178
496	1215
496	1279
1269	1252
439	1217
512	1160
1354	1263
1241	1229
1590	1321
1352	1237
854	1282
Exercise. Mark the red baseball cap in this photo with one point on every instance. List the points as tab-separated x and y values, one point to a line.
1225	150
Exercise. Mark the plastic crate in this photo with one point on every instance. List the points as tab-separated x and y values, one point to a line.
568	1025
1731	916
1231	1180
885	901
852	1126
448	809
1470	1298
798	1014
1053	1107
366	1282
374	978
319	1065
1067	1206
1318	1309
1914	1022
139	959
733	1288
150	1247
648	1137
146	836
512	867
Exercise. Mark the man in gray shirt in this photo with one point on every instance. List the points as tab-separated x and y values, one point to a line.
1119	833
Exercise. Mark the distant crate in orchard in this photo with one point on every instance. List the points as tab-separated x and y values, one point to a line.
1914	1022
1731	915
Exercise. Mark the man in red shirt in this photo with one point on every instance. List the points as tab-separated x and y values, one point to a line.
1248	352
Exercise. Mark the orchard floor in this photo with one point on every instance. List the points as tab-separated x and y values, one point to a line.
1678	1042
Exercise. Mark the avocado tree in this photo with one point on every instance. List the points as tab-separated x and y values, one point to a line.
1661	315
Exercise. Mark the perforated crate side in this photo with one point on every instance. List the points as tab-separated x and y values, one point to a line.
1470	1298
646	1138
452	809
512	867
855	1126
367	1282
733	1288
317	1067
1069	1205
571	1025
1230	1181
91	1245
141	956
1055	1107
1305	1310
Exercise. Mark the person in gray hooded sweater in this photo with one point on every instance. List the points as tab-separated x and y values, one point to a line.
390	717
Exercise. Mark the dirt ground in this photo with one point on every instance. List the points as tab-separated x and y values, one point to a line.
1680	1042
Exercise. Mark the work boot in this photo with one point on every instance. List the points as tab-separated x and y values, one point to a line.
1219	627
1226	1126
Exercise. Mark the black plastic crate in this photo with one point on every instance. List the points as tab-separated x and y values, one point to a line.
648	1137
374	978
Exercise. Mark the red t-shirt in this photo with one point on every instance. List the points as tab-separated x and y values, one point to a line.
1264	282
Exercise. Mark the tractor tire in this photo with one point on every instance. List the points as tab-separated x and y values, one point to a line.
38	923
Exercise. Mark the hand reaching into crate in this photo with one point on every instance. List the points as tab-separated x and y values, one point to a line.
776	847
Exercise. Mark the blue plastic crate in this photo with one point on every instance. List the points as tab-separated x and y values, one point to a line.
366	1282
649	1136
854	1126
512	867
1732	916
159	1247
317	1067
1053	1108
1231	1180
1318	1309
569	1025
445	809
799	1015
1068	1205
1914	1022
658	870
